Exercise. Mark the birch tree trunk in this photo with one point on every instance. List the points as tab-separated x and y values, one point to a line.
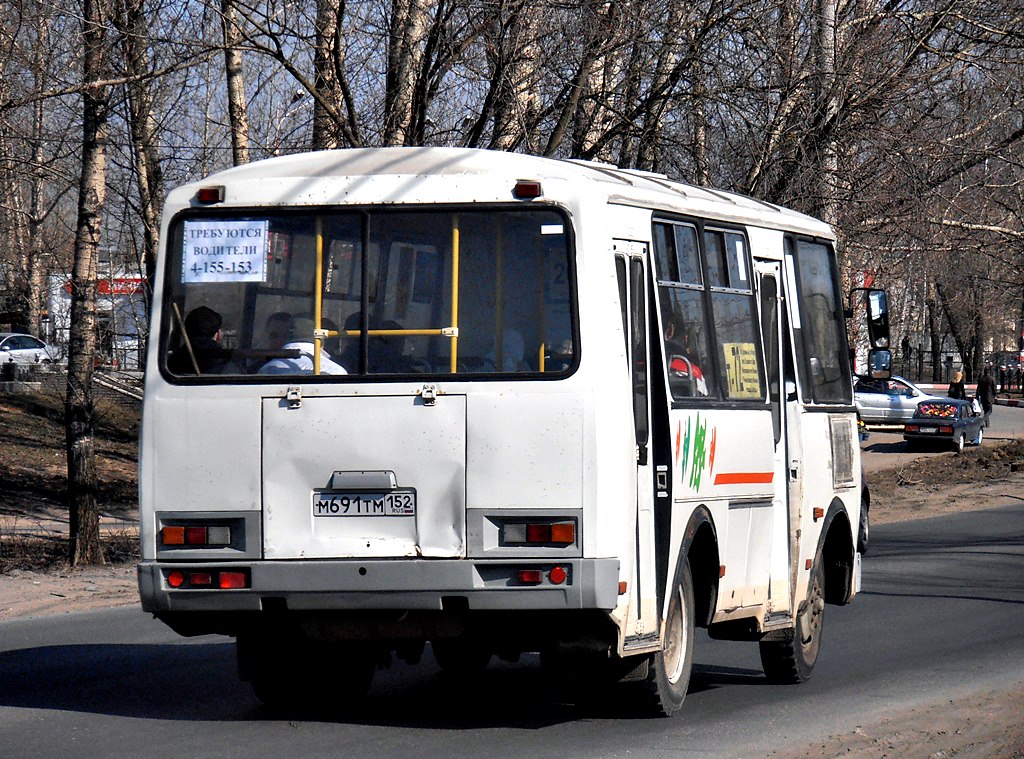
36	213
79	419
328	57
410	23
515	65
12	225
238	110
131	24
827	112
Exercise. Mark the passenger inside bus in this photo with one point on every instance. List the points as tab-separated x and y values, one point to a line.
201	351
386	353
512	356
301	343
685	376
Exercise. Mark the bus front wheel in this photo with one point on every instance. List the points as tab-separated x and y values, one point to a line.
669	673
789	656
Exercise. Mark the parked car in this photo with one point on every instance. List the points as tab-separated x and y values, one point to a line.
945	422
888	401
16	348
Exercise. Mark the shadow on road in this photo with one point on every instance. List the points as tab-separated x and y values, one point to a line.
198	682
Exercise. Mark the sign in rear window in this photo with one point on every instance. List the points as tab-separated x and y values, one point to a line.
224	251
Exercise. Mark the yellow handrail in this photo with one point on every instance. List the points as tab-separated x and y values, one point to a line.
318	298
455	294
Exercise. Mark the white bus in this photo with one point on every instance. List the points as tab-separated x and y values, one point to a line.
500	404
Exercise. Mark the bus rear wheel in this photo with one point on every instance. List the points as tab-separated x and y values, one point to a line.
789	656
668	676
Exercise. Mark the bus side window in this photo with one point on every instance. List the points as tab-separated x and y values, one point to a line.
683	312
732	306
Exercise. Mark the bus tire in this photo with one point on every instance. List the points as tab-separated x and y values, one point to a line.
864	529
460	658
789	656
668	676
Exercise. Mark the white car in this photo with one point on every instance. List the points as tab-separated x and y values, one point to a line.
16	348
888	401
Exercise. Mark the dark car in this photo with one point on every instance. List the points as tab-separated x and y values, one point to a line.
946	422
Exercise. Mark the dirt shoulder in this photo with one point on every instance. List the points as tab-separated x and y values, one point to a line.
978	478
28	593
978	725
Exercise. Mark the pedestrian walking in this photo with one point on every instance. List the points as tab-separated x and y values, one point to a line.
987	394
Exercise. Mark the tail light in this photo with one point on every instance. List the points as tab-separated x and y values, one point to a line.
205	579
556	575
912	428
539	533
195	536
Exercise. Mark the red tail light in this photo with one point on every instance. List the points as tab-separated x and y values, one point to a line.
225	579
526	189
234	580
531	576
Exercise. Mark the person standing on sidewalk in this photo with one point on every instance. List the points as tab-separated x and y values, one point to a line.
956	387
987	394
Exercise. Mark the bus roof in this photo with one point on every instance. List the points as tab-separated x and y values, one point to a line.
374	176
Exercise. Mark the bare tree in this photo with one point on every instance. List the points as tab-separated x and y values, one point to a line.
129	18
233	66
409	26
79	412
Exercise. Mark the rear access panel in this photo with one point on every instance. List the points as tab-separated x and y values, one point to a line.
371	477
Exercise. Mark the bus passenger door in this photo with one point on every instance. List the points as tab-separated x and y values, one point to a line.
642	625
781	384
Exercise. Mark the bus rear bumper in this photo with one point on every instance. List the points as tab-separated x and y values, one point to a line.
399	584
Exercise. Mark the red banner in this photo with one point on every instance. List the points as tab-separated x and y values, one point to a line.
116	286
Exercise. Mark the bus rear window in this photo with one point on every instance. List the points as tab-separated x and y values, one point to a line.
339	293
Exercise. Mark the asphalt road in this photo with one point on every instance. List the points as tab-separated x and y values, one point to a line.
885	448
941	614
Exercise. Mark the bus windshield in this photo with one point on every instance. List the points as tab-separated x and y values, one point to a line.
339	293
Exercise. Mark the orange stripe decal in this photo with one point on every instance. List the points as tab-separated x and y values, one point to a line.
744	478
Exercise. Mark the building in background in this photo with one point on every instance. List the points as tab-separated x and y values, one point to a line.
120	318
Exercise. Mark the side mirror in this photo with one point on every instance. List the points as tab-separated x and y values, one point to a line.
880	364
878	318
876	307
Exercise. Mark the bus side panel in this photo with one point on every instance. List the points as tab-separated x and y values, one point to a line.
724	460
819	488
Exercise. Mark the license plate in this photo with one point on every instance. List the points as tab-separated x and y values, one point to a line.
927	430
395	503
